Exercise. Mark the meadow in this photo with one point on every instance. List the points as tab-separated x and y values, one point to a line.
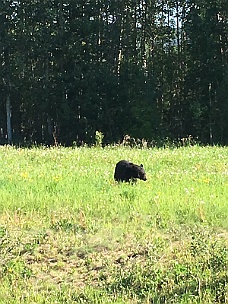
70	234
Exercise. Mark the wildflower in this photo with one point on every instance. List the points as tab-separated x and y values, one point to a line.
186	190
197	166
56	178
24	174
206	180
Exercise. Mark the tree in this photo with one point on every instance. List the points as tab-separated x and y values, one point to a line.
208	65
134	67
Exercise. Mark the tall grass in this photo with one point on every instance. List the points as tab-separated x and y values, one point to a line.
69	233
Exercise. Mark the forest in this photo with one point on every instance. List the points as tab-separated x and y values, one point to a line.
152	69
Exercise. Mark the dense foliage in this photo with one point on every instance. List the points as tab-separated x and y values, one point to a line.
150	69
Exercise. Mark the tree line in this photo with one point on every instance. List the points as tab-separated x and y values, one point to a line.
152	69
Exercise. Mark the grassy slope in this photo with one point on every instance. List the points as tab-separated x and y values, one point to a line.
69	233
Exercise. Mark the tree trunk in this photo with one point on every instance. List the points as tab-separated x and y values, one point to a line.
8	119
8	101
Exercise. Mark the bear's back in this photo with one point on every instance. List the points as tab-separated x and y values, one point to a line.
126	171
121	170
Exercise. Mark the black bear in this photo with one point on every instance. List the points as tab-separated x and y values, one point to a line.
126	172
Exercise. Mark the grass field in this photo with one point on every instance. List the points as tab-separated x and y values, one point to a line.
70	234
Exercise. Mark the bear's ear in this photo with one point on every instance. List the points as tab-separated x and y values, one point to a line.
141	165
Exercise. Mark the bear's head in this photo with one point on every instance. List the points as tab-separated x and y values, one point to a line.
139	172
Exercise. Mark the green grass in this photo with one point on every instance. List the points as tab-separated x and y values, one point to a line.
70	234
